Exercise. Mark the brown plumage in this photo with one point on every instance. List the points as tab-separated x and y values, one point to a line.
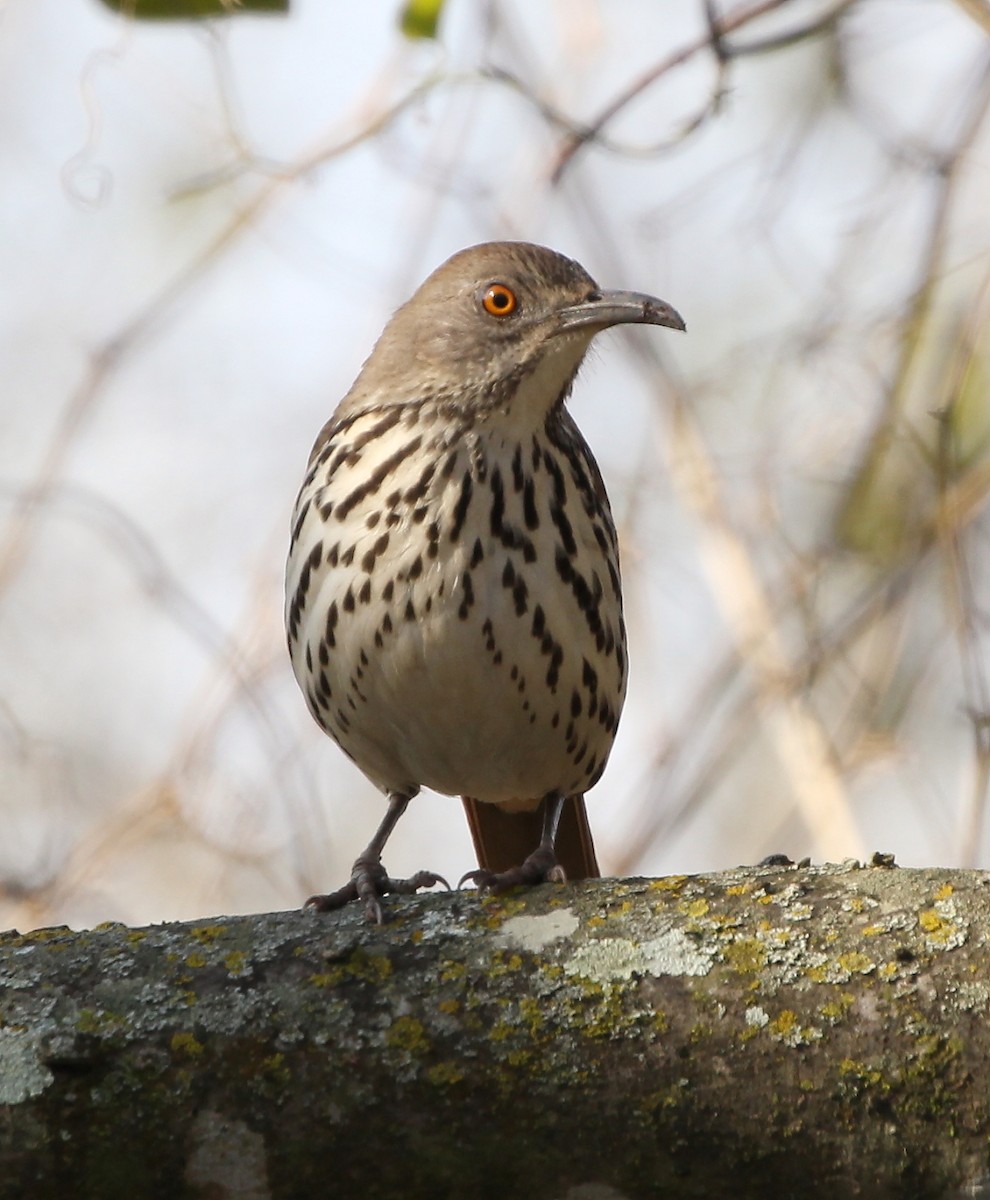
453	602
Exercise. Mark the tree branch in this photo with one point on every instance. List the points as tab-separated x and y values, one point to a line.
812	1032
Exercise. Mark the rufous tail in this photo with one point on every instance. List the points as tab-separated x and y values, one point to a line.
503	840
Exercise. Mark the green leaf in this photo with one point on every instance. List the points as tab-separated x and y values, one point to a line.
420	18
192	10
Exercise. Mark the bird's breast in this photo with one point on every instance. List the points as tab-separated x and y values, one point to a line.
454	607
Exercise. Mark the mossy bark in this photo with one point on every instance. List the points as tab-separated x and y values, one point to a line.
760	1032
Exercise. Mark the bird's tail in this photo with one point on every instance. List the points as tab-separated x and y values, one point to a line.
502	840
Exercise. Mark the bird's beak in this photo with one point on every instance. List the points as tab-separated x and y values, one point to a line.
618	308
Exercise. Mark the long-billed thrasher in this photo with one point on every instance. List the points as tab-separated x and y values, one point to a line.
453	603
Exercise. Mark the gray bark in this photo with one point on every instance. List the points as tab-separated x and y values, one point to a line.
760	1032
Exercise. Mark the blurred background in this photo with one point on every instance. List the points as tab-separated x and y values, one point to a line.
205	225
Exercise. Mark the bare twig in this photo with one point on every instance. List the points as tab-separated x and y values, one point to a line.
714	39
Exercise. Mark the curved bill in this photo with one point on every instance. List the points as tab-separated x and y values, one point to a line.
619	308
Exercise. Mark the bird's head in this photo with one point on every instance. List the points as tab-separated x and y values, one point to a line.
496	322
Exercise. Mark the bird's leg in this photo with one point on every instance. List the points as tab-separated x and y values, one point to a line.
369	880
540	867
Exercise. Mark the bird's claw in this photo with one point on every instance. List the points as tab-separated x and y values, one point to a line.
369	882
541	867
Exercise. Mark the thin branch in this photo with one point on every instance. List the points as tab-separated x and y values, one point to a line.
107	360
714	39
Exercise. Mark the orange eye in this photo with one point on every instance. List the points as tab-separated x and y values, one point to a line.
499	300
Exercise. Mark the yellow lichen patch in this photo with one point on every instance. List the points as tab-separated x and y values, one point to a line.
784	1023
207	934
778	937
519	1058
717	921
186	1044
873	930
944	892
594	922
695	908
368	968
856	963
745	955
196	960
817	973
375	968
503	964
54	934
98	1021
406	1033
416	936
938	928
672	883
836	1009
135	935
854	904
941	931
739	889
935	1051
532	1014
785	1027
452	970
450	1007
444	1074
499	908
501	1030
607	1019
235	962
860	1073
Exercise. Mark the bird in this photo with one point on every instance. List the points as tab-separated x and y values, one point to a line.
453	601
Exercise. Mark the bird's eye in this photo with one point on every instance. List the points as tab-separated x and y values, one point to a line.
499	300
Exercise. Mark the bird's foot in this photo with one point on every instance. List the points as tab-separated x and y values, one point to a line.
540	867
369	882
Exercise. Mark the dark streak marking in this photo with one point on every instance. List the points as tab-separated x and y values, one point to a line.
518	478
375	480
468	601
376	551
530	515
461	507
